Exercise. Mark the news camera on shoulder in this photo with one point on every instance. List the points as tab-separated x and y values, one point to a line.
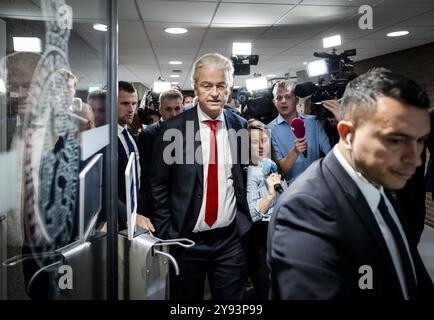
339	67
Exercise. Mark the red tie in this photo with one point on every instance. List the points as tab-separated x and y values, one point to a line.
212	190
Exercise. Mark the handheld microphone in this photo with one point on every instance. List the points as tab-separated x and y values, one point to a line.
268	167
297	126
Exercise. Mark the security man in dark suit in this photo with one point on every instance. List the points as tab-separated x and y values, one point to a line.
337	233
170	102
198	187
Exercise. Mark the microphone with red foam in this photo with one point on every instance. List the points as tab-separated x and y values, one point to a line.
297	126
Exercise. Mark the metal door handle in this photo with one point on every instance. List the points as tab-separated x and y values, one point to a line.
182	242
171	259
23	257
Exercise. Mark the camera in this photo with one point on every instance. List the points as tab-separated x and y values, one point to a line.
258	104
340	67
337	63
242	64
335	89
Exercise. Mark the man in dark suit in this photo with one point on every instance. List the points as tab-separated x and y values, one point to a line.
337	233
127	104
170	102
198	187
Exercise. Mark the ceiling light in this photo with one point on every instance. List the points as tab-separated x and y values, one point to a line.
305	63
174	75
100	27
271	75
175	83
175	30
93	88
160	86
175	62
332	41
242	48
28	44
256	83
398	33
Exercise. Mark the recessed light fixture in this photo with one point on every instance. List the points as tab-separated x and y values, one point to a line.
271	75
175	83
242	48
174	75
332	41
398	33
176	30
100	27
305	63
175	62
28	44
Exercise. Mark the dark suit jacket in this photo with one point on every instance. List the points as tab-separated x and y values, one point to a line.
145	144
177	189
323	232
122	165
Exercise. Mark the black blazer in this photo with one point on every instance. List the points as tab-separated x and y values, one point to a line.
122	165
145	144
323	232
177	189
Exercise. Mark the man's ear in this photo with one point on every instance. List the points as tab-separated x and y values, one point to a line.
344	128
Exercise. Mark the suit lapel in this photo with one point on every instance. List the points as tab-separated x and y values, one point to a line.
192	118
358	203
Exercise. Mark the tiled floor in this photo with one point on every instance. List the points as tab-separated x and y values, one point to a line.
426	249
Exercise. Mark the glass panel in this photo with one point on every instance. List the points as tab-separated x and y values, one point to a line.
52	145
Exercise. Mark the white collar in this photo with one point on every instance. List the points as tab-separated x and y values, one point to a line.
203	116
369	191
120	128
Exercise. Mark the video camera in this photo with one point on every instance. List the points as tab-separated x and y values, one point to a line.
259	103
341	68
337	63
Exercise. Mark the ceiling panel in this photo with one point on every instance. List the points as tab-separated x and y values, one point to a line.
177	11
426	19
347	3
318	14
249	14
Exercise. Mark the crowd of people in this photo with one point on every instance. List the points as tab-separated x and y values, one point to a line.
297	217
303	215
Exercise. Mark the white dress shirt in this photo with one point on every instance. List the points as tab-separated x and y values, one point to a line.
372	196
226	198
125	145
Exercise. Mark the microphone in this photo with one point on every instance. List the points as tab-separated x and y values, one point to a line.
297	126
268	167
304	89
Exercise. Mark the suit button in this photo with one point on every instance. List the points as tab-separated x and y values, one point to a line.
199	196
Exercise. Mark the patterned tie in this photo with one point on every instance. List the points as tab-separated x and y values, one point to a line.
410	281
212	191
130	150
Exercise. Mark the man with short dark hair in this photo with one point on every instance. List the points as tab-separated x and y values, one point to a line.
337	233
97	100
